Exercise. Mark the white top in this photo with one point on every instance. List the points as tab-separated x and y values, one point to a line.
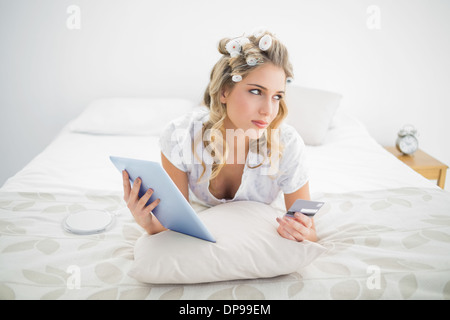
256	185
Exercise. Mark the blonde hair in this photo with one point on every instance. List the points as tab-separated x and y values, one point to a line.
221	77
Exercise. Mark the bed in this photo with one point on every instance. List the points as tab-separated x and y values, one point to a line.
385	229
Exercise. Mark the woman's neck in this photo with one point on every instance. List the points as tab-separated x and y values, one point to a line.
238	143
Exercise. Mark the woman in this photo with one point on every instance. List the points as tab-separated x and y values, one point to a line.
236	147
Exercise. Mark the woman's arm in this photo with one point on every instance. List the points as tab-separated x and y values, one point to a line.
180	178
301	227
302	193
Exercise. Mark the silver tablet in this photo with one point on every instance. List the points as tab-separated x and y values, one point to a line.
174	211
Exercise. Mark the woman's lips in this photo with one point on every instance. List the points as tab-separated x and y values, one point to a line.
260	124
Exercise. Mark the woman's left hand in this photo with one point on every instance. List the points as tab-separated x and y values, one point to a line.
298	228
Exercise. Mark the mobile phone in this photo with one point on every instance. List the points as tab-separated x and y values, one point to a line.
307	207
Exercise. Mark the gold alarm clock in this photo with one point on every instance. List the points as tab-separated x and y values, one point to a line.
407	142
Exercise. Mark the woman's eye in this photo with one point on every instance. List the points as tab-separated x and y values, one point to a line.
258	93
278	97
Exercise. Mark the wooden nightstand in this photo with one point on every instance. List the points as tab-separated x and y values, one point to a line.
424	164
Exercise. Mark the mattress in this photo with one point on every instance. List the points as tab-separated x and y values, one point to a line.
386	228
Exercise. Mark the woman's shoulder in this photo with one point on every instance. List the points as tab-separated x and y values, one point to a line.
176	138
198	114
187	123
289	135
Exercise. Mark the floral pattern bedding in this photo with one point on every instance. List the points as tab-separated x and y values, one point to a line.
383	244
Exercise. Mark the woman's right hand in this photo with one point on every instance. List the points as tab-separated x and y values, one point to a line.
141	212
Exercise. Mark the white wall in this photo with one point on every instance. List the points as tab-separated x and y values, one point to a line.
397	74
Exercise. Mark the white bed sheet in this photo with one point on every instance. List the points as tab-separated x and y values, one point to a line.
351	160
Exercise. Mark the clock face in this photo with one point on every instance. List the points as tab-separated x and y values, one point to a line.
408	144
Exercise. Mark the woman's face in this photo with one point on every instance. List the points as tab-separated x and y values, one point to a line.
253	103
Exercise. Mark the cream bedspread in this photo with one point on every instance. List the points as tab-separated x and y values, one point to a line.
384	244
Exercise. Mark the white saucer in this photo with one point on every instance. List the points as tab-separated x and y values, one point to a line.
88	222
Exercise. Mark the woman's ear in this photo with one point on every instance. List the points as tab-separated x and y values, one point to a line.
224	95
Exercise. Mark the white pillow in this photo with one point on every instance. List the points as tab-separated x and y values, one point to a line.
310	111
248	246
129	116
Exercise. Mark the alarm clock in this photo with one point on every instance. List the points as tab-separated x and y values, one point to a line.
407	142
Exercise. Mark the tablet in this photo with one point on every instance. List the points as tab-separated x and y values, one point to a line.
174	211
